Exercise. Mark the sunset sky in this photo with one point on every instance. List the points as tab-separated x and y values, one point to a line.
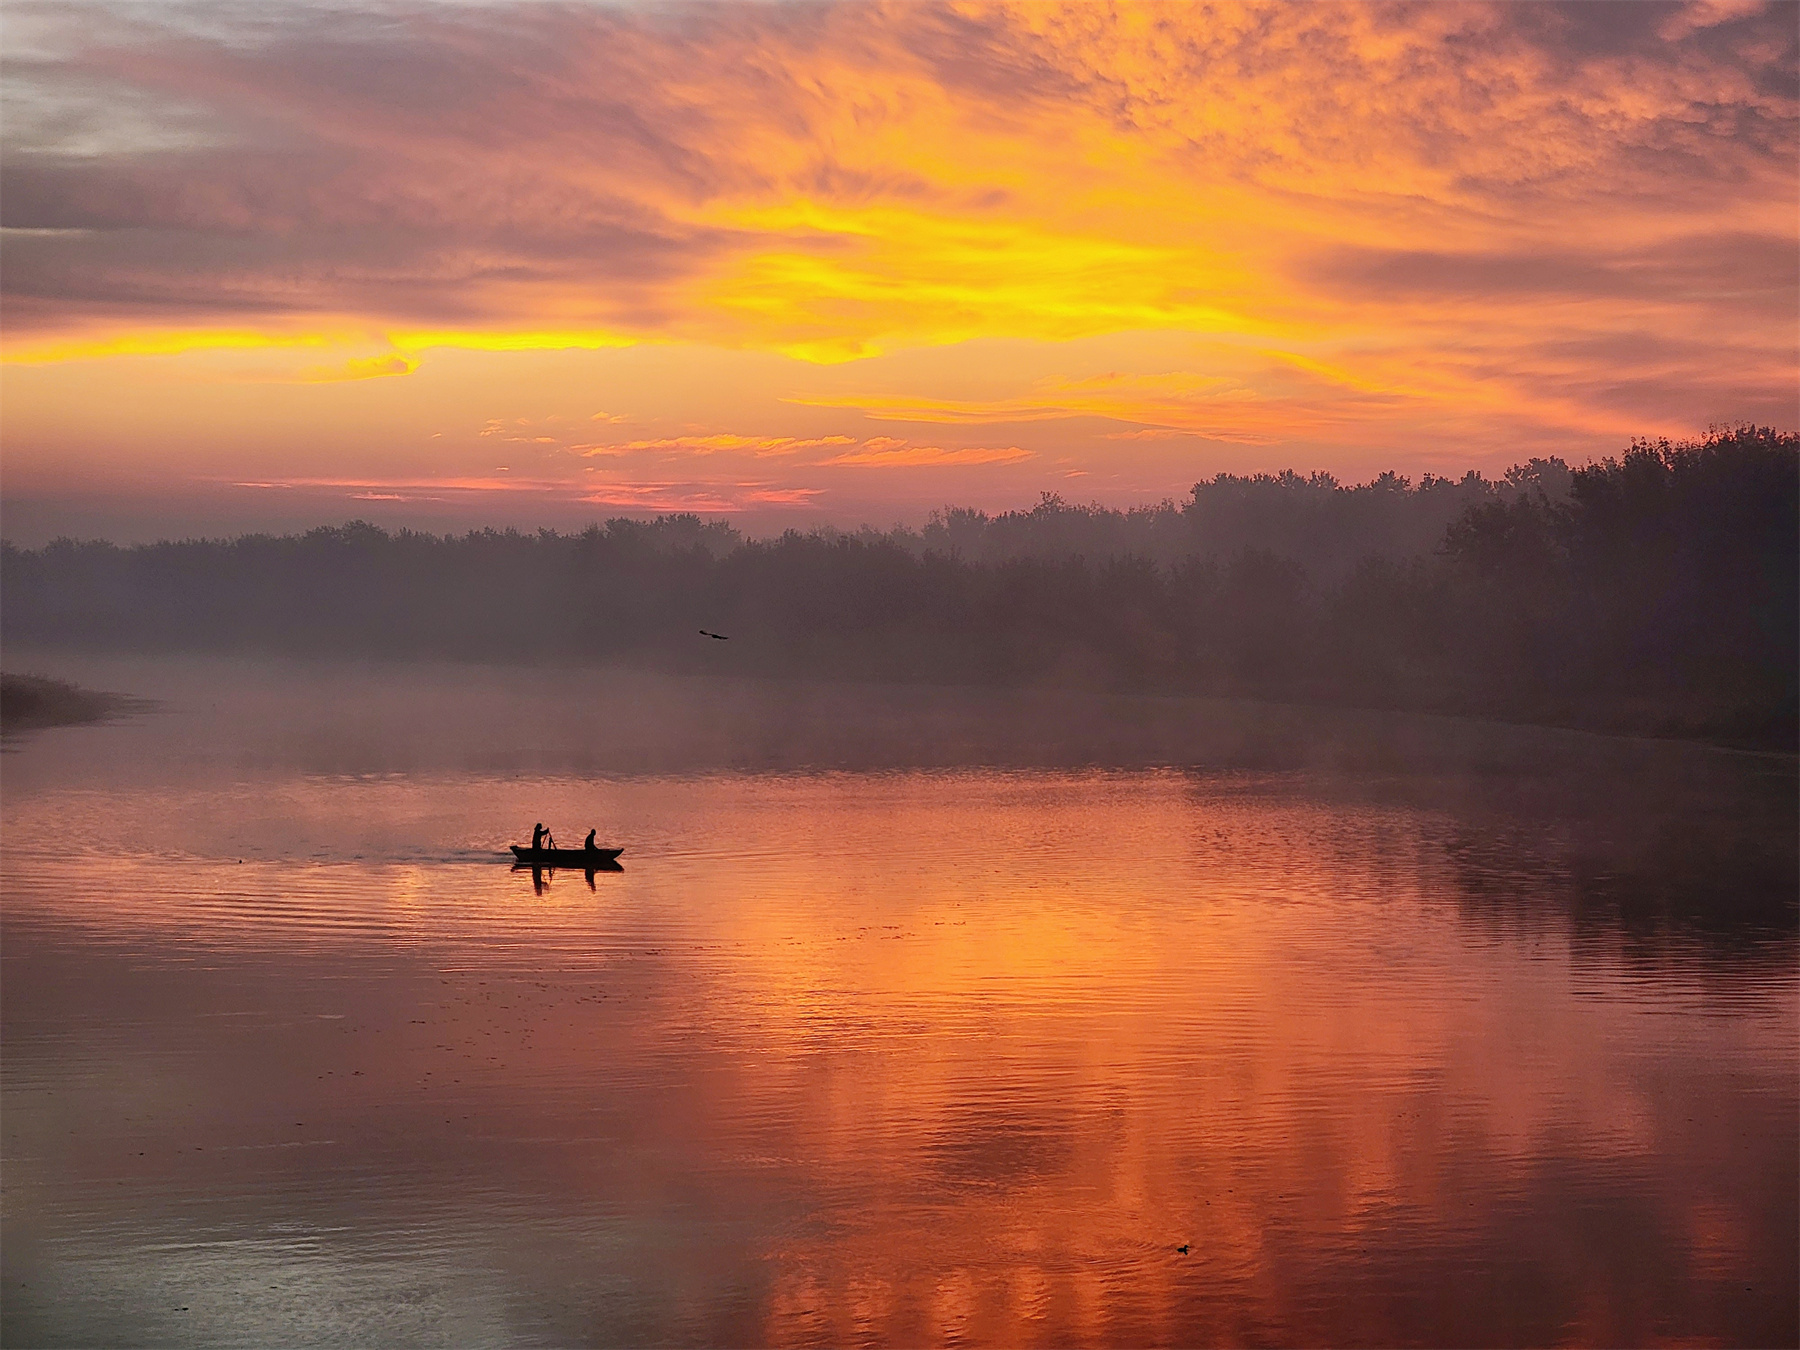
275	265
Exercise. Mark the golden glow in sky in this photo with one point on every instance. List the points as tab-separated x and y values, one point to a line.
480	262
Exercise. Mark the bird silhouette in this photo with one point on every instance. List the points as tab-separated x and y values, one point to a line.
1183	1249
716	637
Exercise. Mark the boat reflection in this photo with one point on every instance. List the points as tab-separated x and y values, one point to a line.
539	880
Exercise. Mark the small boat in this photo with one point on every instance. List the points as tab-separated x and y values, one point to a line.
565	857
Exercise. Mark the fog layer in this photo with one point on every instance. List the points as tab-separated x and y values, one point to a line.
1655	592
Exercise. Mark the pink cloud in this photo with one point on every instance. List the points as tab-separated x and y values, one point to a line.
642	496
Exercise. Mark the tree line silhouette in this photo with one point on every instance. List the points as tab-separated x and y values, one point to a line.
1654	592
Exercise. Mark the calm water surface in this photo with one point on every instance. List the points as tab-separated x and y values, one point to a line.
913	1018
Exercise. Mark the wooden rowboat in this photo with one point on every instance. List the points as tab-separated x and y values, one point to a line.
565	857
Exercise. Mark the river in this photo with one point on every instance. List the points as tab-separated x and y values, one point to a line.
913	1016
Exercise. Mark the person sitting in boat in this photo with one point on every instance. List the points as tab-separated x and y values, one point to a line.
590	845
538	833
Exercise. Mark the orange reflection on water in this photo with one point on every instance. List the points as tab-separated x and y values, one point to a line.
884	1057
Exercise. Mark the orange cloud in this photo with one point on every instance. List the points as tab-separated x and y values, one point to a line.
899	455
1216	406
365	368
1370	225
716	444
875	450
708	497
882	175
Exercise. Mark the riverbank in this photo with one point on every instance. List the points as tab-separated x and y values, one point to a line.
32	702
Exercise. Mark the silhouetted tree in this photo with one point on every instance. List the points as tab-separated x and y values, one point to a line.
1656	591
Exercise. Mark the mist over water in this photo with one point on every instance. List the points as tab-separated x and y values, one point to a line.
1649	594
916	1015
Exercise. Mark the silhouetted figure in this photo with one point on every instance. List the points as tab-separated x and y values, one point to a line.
717	637
590	845
537	836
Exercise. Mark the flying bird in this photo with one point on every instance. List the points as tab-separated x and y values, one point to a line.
717	637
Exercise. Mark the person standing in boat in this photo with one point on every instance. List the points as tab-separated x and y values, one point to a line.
538	834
